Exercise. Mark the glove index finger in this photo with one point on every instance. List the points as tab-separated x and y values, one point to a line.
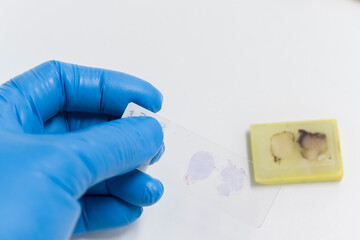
54	86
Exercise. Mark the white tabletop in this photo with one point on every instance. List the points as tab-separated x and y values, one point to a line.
221	66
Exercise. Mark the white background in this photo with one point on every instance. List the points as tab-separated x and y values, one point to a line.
221	66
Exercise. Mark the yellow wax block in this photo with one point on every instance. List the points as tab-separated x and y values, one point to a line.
295	152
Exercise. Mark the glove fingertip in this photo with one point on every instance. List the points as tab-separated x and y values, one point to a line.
153	193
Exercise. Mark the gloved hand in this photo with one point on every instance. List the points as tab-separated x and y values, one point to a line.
66	159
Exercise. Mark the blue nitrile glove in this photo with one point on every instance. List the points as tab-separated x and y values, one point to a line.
66	159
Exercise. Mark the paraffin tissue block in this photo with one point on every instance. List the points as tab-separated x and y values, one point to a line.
295	152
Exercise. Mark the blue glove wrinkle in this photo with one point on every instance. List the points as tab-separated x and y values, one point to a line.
21	113
65	122
95	89
57	124
82	224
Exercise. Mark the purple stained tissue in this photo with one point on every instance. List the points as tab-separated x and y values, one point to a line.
200	167
224	189
233	180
